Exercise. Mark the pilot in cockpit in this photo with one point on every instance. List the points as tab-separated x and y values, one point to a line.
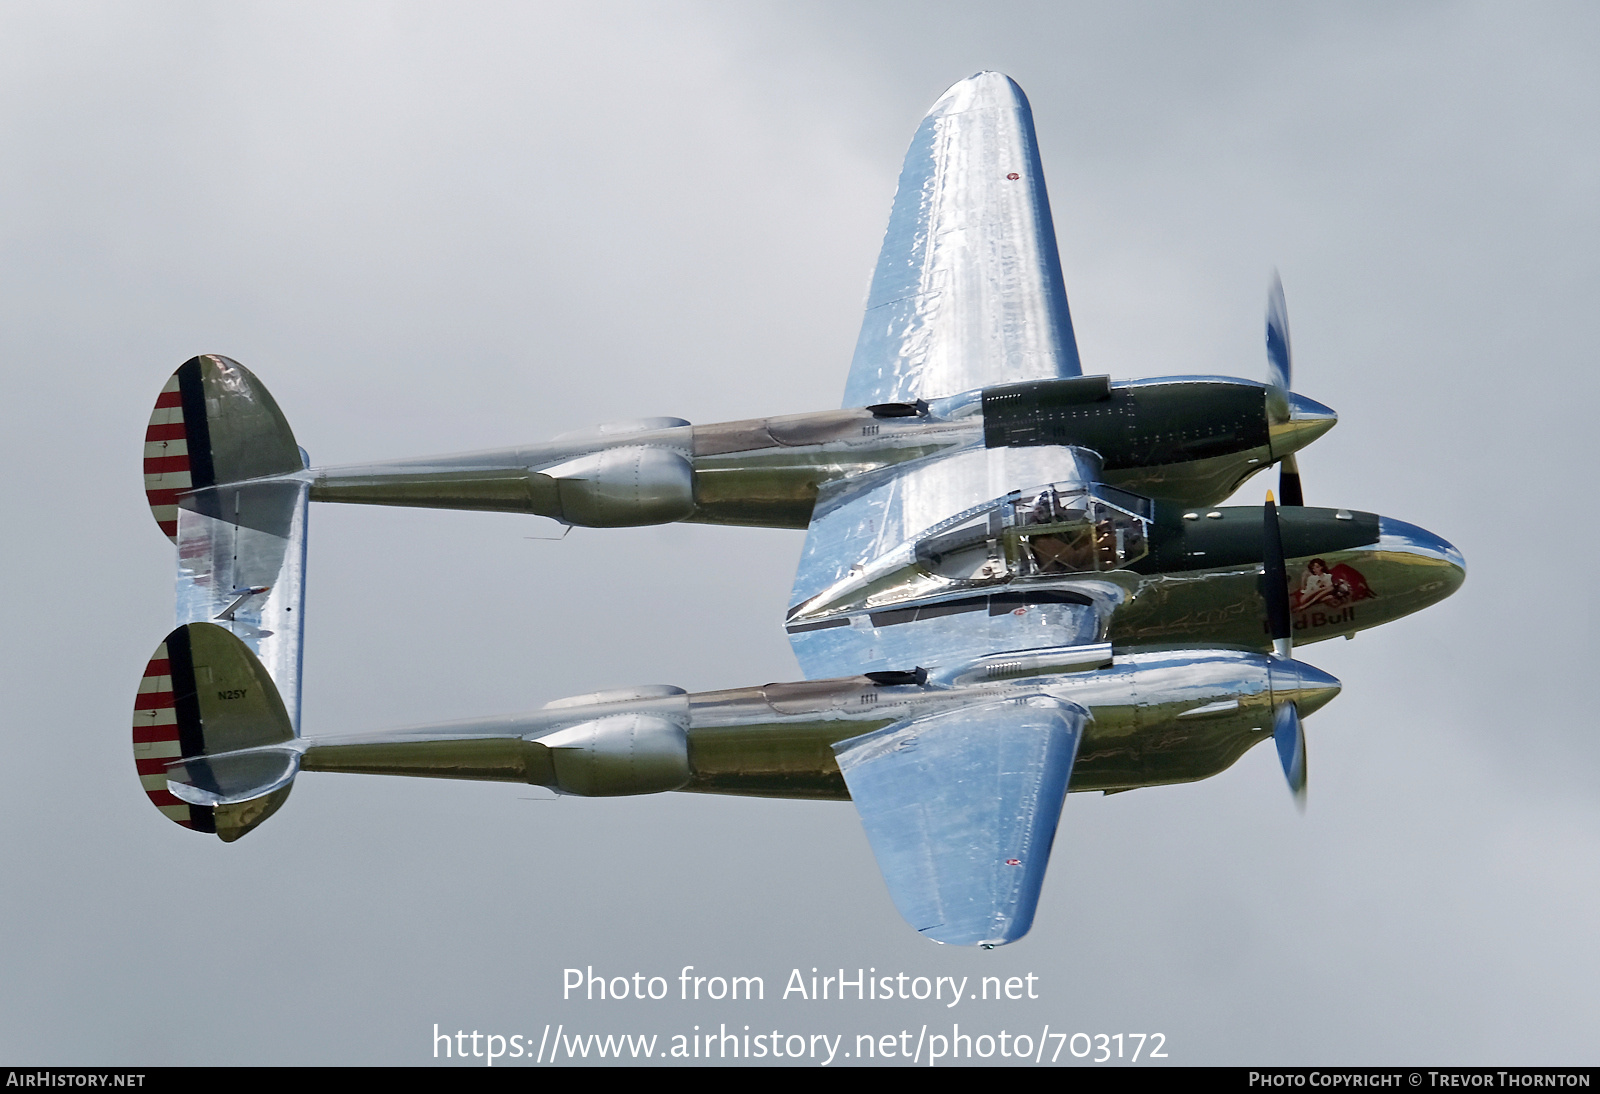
1043	511
1065	552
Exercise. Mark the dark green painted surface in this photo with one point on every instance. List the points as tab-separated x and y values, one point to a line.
1234	538
1137	426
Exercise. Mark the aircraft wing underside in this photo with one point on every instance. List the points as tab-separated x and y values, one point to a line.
961	809
968	289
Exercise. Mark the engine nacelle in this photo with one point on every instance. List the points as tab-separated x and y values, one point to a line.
622	754
624	487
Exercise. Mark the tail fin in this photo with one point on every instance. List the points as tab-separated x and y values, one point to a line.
226	482
212	740
214	423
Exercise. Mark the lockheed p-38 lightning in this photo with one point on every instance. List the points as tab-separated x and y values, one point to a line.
1016	578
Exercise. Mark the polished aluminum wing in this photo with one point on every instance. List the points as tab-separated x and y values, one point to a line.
968	290
961	809
967	294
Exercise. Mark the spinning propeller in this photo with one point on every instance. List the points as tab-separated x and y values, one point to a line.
1279	375
1287	731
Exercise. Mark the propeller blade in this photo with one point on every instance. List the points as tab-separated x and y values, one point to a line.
1289	481
1289	734
1275	576
1279	371
1281	402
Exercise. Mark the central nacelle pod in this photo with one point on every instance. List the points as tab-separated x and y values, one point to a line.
624	487
1054	535
622	754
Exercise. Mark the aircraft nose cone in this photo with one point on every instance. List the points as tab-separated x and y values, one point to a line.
1307	686
1400	537
1305	421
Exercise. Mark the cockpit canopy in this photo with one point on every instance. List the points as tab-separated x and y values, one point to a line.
1062	528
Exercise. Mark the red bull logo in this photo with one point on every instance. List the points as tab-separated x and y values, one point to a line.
1325	596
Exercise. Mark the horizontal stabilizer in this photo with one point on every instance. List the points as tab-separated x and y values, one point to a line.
961	809
241	566
212	740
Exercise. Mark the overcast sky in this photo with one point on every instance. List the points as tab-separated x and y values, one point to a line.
431	228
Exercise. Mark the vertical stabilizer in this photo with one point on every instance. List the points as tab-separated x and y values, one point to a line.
211	738
214	422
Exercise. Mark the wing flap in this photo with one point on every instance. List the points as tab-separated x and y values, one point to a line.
961	810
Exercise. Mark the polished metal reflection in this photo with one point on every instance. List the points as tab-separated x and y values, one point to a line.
1036	540
777	740
968	288
249	577
965	861
1303	422
1306	686
992	604
1397	535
